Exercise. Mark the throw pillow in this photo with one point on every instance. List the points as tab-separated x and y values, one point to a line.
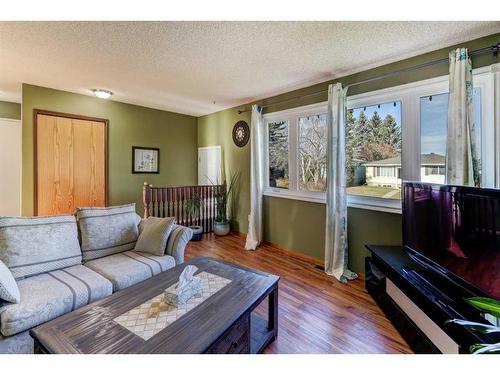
8	287
33	245
154	235
107	230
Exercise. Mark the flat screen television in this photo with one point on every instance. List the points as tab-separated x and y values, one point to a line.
455	231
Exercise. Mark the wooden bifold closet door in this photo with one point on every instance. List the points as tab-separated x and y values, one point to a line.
70	162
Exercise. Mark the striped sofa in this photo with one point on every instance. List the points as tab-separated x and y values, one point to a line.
61	263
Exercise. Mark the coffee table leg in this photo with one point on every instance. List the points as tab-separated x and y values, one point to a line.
273	312
37	348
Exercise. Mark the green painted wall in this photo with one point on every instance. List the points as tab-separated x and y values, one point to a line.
306	231
10	110
300	225
295	224
216	129
173	133
370	227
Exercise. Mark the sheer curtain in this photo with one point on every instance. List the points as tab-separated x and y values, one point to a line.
254	236
462	164
336	247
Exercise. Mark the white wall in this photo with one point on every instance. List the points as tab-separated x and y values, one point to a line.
10	167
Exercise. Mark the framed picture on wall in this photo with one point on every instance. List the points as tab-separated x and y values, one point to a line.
145	160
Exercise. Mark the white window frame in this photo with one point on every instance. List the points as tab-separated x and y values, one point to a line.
394	94
292	116
486	78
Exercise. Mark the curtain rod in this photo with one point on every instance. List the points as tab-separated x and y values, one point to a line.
495	49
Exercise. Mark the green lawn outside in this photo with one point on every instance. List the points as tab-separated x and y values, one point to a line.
367	191
282	183
375	191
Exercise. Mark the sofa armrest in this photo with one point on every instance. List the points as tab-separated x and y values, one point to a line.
177	241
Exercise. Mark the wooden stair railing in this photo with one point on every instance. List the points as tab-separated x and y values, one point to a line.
171	202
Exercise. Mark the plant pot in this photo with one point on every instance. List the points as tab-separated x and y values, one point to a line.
197	232
221	228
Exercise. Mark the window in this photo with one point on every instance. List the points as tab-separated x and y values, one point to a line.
392	135
434	171
433	128
312	153
386	171
278	154
296	153
373	150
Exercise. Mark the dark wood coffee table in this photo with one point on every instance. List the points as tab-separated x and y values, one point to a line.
223	323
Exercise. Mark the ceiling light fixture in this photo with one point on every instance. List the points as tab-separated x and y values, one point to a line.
102	94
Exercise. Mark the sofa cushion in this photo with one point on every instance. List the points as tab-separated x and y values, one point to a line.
129	268
22	343
47	296
33	245
154	235
107	231
8	287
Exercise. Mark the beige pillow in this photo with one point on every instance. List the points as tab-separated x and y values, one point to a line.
154	235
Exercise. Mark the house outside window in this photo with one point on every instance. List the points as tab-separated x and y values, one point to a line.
386	173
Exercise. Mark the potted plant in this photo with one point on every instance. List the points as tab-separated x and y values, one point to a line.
222	198
485	305
193	205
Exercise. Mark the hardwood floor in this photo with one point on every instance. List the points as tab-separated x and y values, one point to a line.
317	314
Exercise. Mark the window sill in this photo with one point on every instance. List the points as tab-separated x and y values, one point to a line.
282	193
360	202
393	206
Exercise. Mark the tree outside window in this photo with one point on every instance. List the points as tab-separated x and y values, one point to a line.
278	154
312	152
373	145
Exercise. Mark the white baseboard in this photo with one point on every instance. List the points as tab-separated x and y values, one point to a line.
438	337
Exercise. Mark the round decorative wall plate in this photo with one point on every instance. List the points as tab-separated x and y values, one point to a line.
241	133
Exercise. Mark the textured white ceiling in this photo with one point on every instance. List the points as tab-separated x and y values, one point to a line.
187	66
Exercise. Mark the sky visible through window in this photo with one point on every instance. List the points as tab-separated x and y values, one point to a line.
434	122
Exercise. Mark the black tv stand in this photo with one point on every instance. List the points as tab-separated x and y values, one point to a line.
426	286
418	302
